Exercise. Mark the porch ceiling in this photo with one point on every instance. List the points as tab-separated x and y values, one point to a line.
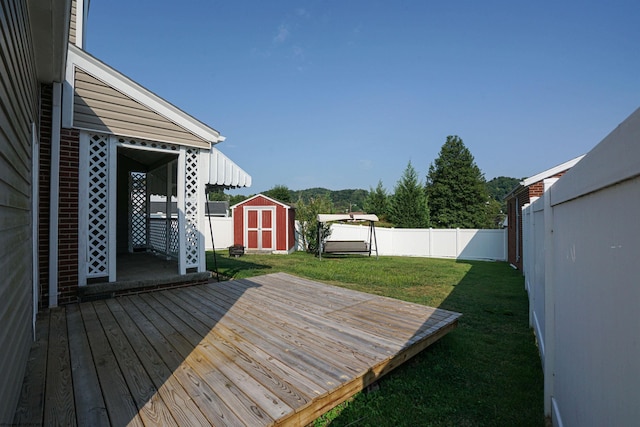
149	159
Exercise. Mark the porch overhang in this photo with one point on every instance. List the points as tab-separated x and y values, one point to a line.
225	173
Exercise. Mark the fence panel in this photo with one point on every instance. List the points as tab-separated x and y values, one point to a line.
581	273
222	232
437	243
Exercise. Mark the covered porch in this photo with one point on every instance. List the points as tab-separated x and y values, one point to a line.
271	350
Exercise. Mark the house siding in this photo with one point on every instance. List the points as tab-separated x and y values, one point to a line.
101	108
73	22
19	100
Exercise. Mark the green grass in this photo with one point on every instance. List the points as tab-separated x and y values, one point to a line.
485	373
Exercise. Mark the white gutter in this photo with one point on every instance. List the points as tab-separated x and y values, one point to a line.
54	196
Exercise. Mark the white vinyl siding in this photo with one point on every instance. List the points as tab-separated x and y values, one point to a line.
18	97
101	108
73	21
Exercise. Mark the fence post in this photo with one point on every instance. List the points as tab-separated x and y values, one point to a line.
549	304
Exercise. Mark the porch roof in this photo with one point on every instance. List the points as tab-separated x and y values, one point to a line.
113	98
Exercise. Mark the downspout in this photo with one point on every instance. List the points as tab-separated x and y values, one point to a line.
54	196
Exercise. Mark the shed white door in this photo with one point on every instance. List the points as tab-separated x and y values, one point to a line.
260	229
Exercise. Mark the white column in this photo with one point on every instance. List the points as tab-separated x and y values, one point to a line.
182	259
112	190
168	210
203	174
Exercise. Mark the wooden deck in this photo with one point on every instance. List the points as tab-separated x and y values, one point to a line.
271	350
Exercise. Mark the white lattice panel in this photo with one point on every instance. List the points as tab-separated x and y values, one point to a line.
138	211
98	232
158	236
149	144
191	249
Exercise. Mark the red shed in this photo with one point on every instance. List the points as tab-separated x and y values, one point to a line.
262	224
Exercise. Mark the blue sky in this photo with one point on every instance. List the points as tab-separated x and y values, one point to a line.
342	94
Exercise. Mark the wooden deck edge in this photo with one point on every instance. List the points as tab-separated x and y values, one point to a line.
314	409
98	291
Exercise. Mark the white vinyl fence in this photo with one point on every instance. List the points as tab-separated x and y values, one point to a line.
435	243
222	232
581	255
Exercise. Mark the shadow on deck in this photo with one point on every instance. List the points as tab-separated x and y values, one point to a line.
141	272
271	350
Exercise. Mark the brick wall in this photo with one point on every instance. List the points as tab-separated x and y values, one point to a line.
514	232
536	190
44	186
514	213
68	206
68	217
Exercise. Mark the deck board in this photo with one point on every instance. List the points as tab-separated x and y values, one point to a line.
90	406
59	408
271	350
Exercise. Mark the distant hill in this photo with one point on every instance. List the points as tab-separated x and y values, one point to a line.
352	200
500	186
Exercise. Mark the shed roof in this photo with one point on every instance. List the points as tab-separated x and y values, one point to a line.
264	197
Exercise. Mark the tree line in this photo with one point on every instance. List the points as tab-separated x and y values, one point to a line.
454	194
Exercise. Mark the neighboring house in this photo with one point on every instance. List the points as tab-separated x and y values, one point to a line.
526	192
262	224
82	149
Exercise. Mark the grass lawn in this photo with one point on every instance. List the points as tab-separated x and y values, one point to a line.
485	373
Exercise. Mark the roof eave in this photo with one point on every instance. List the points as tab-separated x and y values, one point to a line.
49	22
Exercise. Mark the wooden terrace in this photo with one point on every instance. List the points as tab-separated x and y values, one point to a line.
270	350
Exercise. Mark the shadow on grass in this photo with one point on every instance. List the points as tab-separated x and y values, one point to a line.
485	373
234	267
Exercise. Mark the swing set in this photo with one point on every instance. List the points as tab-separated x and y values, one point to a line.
362	247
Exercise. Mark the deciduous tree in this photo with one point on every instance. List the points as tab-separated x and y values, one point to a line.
307	216
280	193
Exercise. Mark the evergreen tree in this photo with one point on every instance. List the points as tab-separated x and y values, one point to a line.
456	188
408	206
377	201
